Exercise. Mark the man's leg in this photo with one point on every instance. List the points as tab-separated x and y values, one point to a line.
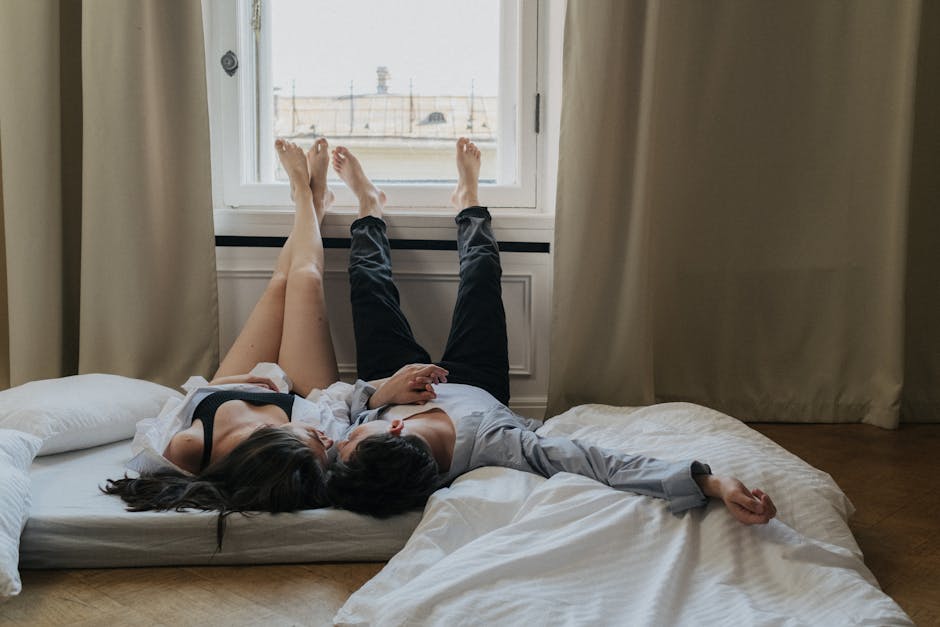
384	341
477	351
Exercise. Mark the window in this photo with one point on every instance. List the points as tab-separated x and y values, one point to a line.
397	82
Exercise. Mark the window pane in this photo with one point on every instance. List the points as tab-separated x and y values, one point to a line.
395	81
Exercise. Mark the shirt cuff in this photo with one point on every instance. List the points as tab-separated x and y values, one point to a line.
683	490
359	402
193	383
275	373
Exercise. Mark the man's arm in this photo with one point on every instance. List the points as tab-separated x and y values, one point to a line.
503	441
412	384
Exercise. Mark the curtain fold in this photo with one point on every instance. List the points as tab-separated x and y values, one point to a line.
733	200
4	315
108	239
921	399
32	199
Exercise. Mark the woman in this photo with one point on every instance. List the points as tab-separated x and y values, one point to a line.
256	438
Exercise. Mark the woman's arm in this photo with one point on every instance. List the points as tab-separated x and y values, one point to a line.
245	378
185	450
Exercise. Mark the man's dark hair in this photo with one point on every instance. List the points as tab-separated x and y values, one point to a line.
386	475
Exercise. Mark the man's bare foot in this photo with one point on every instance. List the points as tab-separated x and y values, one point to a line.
295	164
318	161
468	175
371	198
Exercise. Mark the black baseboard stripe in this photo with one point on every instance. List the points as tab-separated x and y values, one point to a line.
255	241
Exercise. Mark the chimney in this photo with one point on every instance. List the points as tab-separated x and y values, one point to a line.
382	74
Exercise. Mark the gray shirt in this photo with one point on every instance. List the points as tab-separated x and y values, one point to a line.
495	436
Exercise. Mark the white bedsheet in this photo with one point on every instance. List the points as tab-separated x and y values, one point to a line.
502	547
73	525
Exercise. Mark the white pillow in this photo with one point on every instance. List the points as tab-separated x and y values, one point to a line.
17	450
81	411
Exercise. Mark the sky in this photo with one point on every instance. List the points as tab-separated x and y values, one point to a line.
441	44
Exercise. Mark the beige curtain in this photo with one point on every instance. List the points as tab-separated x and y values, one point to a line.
107	256
747	209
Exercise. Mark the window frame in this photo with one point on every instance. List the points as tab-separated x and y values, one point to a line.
228	27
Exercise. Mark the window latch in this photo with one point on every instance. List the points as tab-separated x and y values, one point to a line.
229	63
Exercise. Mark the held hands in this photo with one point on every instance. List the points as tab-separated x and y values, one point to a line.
412	384
751	507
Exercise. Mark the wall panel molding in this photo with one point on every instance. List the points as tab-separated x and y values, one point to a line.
427	281
521	367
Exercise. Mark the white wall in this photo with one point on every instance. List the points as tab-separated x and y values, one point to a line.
427	281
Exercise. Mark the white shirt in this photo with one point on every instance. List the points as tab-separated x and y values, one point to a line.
455	399
327	410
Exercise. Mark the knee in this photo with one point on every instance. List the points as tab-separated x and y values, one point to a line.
309	274
369	276
278	284
481	261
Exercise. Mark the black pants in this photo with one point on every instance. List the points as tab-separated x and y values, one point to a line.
477	350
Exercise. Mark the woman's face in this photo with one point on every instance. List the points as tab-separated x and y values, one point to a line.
316	440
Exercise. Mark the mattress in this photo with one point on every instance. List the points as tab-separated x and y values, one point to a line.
72	524
503	547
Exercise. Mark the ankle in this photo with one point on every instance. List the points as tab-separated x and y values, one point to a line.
373	210
302	193
468	199
370	198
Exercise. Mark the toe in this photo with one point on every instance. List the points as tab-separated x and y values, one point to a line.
321	144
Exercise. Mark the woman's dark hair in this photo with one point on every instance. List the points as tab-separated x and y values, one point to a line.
270	471
386	475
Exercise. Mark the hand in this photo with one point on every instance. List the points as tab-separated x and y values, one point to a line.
412	384
246	378
747	506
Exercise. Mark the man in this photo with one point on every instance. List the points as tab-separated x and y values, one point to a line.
397	455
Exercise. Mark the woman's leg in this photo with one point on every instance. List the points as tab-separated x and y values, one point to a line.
306	346
260	337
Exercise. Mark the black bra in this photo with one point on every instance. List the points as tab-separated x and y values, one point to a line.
205	411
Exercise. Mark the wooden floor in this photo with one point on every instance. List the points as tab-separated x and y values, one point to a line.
892	479
891	476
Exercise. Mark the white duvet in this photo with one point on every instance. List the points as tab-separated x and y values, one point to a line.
502	547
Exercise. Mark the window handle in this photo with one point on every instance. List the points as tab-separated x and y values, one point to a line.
229	63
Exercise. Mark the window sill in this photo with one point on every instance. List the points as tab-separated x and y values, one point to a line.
523	225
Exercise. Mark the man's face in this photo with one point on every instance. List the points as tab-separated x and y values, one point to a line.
348	446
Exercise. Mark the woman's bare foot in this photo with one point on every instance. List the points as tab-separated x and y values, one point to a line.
318	161
371	198
468	175
295	164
